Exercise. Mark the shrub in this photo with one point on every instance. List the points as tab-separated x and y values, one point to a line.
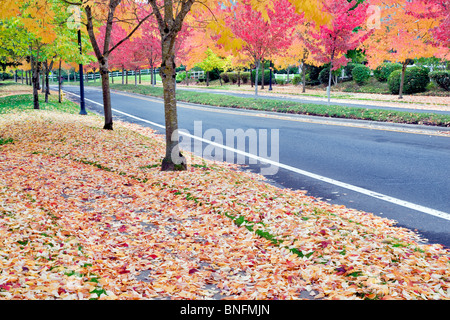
416	80
361	74
383	71
224	77
349	68
324	76
441	78
180	76
296	80
245	76
266	76
233	77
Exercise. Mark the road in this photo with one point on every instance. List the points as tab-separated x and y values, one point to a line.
395	171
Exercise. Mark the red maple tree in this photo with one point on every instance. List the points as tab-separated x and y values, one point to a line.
260	38
332	41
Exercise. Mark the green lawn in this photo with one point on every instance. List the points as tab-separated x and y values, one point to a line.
294	107
24	102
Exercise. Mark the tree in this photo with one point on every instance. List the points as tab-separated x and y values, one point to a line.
170	22
148	42
107	13
331	42
210	63
401	38
439	11
298	53
259	38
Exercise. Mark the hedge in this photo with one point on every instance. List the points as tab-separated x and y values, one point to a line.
383	71
441	78
361	74
416	80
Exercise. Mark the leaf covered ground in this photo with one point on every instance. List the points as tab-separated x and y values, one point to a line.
86	213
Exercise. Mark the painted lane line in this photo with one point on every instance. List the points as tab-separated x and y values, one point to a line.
367	192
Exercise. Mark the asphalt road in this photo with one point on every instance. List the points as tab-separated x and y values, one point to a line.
343	162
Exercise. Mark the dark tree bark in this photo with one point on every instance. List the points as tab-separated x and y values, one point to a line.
402	79
102	54
35	80
169	26
59	82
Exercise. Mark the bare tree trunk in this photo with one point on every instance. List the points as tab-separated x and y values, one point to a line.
139	76
239	78
303	77
173	160
329	77
152	75
207	78
256	76
48	68
187	78
59	81
262	74
43	71
106	94
35	81
123	75
402	80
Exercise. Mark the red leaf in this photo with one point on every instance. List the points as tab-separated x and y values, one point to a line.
193	270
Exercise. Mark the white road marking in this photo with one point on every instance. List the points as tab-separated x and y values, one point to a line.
367	192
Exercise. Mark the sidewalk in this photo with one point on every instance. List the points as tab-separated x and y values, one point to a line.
88	214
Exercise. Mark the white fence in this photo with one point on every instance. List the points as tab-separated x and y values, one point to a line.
92	76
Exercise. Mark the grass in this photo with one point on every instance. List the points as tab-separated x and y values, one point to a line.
24	102
294	107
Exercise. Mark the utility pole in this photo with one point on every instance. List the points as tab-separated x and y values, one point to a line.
82	105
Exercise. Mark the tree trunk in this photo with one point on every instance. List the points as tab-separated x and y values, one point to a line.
152	75
126	76
262	75
329	77
303	77
139	76
112	77
402	80
26	77
256	76
59	82
47	84
207	78
174	160
187	78
43	71
123	75
106	95
135	78
239	78
35	82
